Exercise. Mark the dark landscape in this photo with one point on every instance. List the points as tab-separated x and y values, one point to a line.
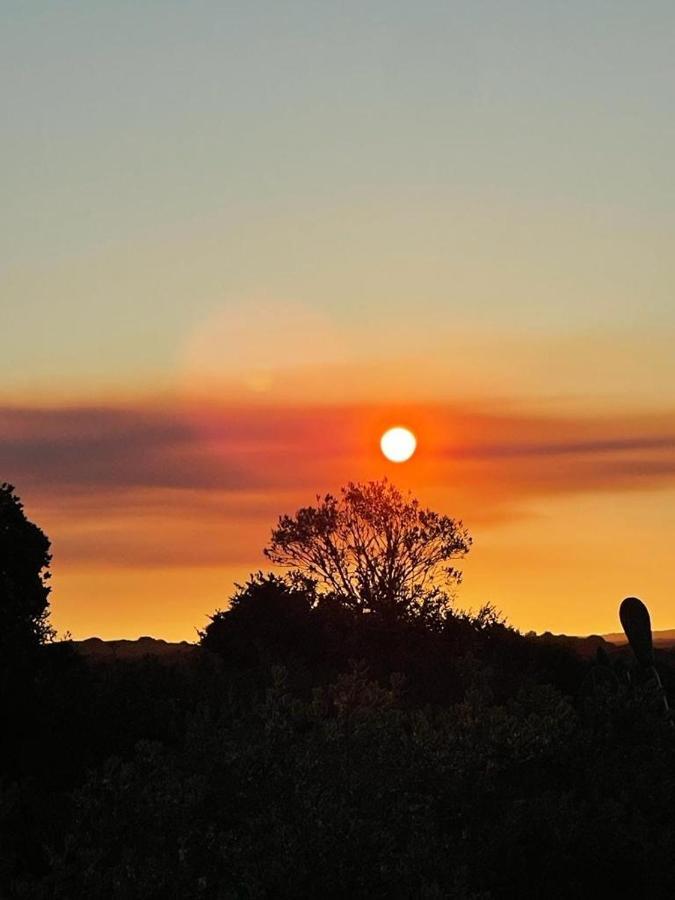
95	648
369	742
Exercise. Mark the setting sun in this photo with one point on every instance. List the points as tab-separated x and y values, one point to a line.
398	444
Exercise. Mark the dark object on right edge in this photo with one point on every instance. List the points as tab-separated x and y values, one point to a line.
636	623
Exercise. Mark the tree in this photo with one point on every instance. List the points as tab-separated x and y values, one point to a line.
374	548
24	576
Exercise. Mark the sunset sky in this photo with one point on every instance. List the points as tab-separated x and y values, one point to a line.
239	240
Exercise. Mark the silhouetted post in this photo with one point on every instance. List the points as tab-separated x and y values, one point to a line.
637	625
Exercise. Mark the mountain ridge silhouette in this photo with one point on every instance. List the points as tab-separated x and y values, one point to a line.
129	648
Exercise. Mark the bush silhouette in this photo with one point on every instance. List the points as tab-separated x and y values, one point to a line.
269	620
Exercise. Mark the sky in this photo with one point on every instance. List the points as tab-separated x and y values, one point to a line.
238	240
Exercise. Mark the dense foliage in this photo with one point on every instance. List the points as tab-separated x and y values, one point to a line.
268	772
307	749
24	576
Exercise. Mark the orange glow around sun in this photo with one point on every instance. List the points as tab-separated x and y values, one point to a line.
398	444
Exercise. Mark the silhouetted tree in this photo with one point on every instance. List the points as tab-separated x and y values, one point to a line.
24	576
375	548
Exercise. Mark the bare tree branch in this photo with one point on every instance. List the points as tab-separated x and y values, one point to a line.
374	547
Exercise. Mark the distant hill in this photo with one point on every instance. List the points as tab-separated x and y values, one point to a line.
584	646
96	649
587	646
661	638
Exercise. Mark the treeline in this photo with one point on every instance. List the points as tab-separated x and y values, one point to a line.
322	745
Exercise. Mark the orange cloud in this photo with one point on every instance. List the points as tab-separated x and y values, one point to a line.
147	485
154	510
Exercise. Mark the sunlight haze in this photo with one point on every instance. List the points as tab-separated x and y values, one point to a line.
239	242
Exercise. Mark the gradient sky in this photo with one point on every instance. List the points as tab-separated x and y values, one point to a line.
237	240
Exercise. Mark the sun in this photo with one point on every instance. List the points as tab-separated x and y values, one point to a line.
398	444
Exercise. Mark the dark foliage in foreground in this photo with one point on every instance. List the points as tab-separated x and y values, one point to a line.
466	761
310	749
285	621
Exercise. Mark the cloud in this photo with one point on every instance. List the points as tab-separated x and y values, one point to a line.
95	447
592	447
150	485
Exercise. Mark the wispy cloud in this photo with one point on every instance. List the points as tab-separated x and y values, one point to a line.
150	485
577	448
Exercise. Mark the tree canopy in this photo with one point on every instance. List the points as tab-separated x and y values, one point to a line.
375	548
24	575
